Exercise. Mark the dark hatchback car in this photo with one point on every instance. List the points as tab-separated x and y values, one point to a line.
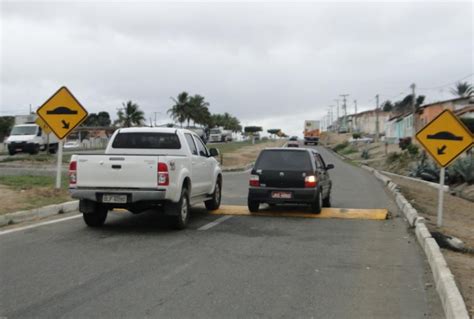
297	176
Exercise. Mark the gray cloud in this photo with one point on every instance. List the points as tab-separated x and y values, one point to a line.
264	62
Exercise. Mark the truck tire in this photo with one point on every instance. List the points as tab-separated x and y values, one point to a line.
180	210
215	202
97	218
317	204
11	151
253	206
35	150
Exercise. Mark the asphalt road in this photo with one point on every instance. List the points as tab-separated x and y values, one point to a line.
242	267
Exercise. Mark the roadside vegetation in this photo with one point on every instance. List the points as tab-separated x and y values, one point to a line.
27	192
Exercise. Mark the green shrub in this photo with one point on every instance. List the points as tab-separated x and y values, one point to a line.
412	149
356	135
341	146
464	167
348	150
393	157
404	142
365	154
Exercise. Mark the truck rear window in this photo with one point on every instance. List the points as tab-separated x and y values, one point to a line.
284	160
146	140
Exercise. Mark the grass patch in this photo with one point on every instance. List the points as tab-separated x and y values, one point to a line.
232	146
339	147
31	181
39	158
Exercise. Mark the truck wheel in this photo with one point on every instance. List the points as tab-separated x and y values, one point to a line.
317	204
11	151
180	210
253	206
97	218
215	202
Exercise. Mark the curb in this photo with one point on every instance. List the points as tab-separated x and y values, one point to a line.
451	299
28	215
238	169
434	185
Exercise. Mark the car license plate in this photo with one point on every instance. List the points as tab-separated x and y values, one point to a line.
284	195
114	198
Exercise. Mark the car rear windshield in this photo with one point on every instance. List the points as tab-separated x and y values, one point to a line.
284	160
147	140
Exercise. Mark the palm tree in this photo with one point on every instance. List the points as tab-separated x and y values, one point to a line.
180	110
198	110
463	89
130	114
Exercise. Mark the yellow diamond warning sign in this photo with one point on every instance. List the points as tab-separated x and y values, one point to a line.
62	112
445	138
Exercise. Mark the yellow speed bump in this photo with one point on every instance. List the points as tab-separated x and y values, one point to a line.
343	213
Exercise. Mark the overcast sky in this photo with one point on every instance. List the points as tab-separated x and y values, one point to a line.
269	64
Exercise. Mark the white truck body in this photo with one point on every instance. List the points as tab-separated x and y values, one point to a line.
218	135
311	131
128	174
27	136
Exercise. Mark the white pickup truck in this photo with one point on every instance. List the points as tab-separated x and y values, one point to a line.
147	168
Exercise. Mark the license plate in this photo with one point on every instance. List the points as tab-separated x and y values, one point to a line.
114	198
284	195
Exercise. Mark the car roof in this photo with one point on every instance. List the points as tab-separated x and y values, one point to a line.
153	130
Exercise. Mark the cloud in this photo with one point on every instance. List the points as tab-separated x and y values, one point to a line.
258	61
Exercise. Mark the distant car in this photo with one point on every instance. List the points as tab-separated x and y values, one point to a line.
72	145
293	142
283	175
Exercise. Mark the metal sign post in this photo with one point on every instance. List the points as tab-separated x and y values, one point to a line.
440	197
59	163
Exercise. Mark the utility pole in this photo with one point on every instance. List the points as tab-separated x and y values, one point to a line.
413	107
331	115
337	114
354	117
344	106
377	132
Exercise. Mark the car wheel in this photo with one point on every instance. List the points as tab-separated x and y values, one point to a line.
327	200
97	218
215	202
11	151
253	206
180	210
317	204
35	150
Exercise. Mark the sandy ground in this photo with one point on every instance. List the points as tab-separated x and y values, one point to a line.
458	221
16	200
248	154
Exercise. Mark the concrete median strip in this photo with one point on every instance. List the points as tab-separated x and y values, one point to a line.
37	213
341	213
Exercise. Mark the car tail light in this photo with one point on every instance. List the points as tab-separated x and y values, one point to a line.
163	176
254	181
73	173
310	181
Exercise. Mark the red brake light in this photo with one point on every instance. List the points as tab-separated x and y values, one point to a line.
73	173
254	181
310	181
163	176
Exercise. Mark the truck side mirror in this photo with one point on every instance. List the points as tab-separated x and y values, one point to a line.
39	131
329	166
214	152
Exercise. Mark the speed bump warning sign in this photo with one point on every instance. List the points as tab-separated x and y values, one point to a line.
62	112
445	138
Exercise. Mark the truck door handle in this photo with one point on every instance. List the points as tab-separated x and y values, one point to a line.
116	166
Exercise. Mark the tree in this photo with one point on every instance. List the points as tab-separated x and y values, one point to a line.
225	120
387	106
103	119
180	110
6	124
198	110
463	89
130	114
274	131
405	105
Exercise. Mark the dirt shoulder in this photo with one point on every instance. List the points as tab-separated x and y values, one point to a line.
458	221
247	154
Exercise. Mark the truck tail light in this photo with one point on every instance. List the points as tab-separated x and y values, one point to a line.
72	173
254	181
310	181
163	175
